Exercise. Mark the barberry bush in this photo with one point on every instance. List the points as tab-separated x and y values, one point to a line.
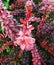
26	32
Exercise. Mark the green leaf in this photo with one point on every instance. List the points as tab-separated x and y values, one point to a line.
1	30
52	23
8	0
10	63
18	63
8	49
6	3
